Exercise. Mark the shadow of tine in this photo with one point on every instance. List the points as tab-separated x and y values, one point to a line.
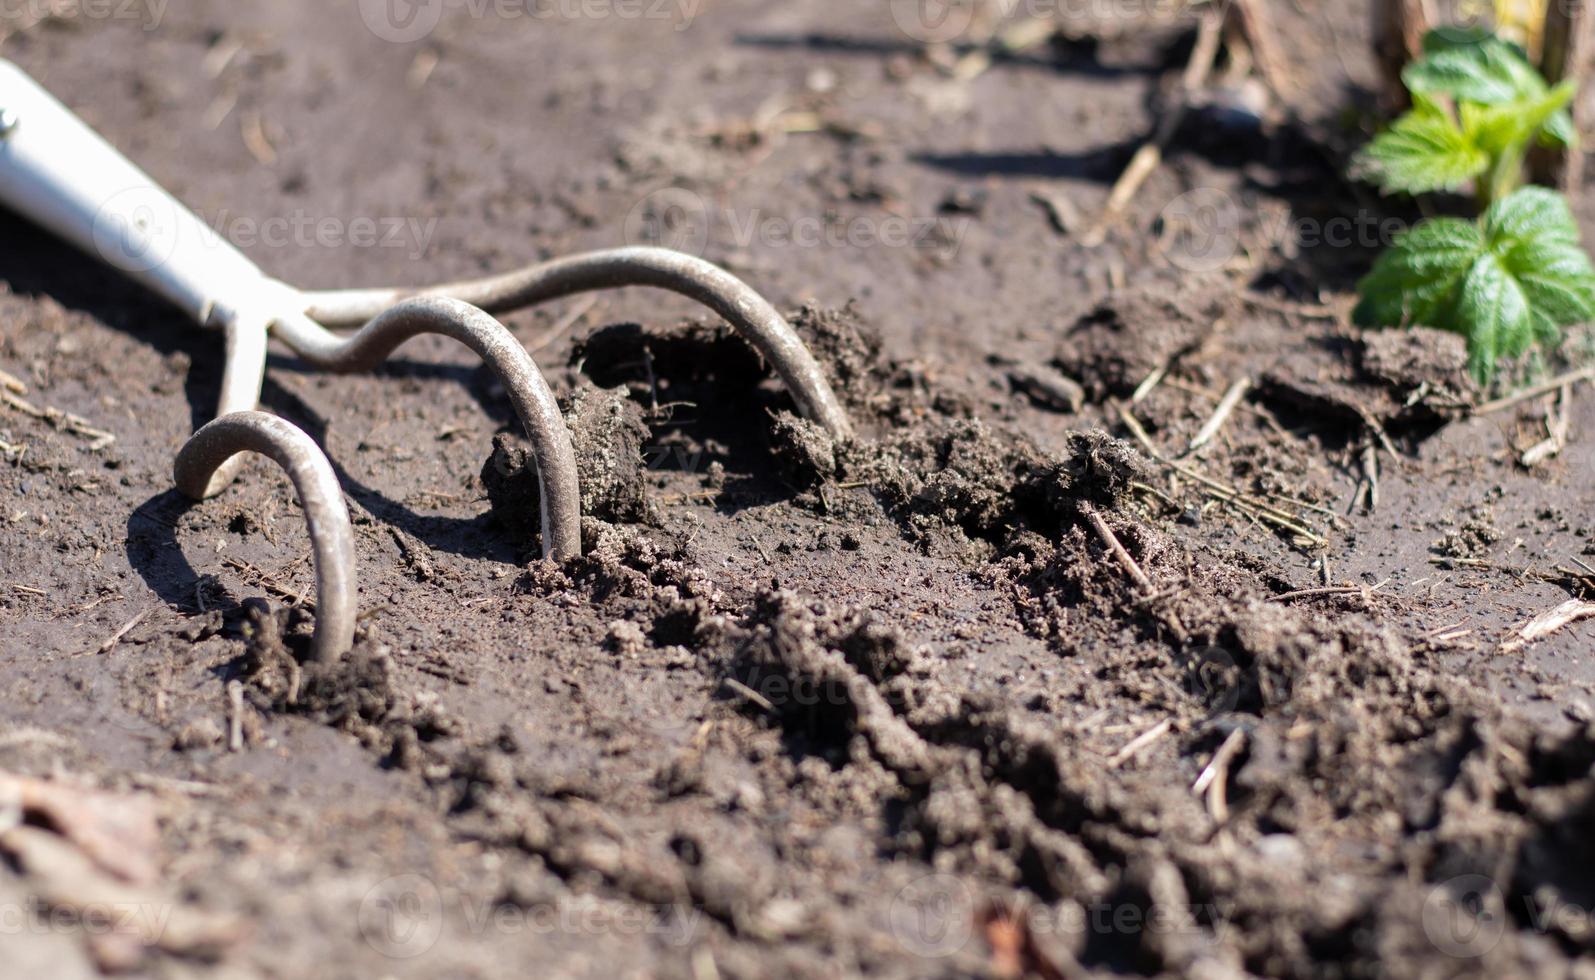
534	402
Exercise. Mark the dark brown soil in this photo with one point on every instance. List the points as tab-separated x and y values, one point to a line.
890	708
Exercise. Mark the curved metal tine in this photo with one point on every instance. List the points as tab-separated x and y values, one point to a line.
539	413
331	535
730	297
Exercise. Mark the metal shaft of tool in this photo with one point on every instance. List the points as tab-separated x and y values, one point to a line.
242	375
331	535
748	312
557	476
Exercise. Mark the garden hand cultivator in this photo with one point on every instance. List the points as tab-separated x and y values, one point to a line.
59	173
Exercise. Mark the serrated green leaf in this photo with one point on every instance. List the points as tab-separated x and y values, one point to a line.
1492	312
1498	129
1518	274
1488	72
1425	150
1502	105
1560	131
1506	282
1417	277
1531	214
1534	234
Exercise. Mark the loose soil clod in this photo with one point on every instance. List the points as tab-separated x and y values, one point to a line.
608	434
1117	345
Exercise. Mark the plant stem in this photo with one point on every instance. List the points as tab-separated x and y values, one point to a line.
1503	177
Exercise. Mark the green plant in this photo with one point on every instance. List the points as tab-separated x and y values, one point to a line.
1515	275
1499	107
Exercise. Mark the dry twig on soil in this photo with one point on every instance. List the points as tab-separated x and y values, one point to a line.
66	421
1132	568
1150	156
1366	591
1226	408
1211	782
1249	506
265	580
1586	373
1248	26
127	627
1549	622
1581	582
1140	742
1558	423
235	716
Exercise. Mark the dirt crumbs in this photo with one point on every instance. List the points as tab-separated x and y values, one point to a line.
1421	365
1306	746
1301	745
1116	346
607	431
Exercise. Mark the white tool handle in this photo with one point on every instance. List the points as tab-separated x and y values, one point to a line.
59	173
